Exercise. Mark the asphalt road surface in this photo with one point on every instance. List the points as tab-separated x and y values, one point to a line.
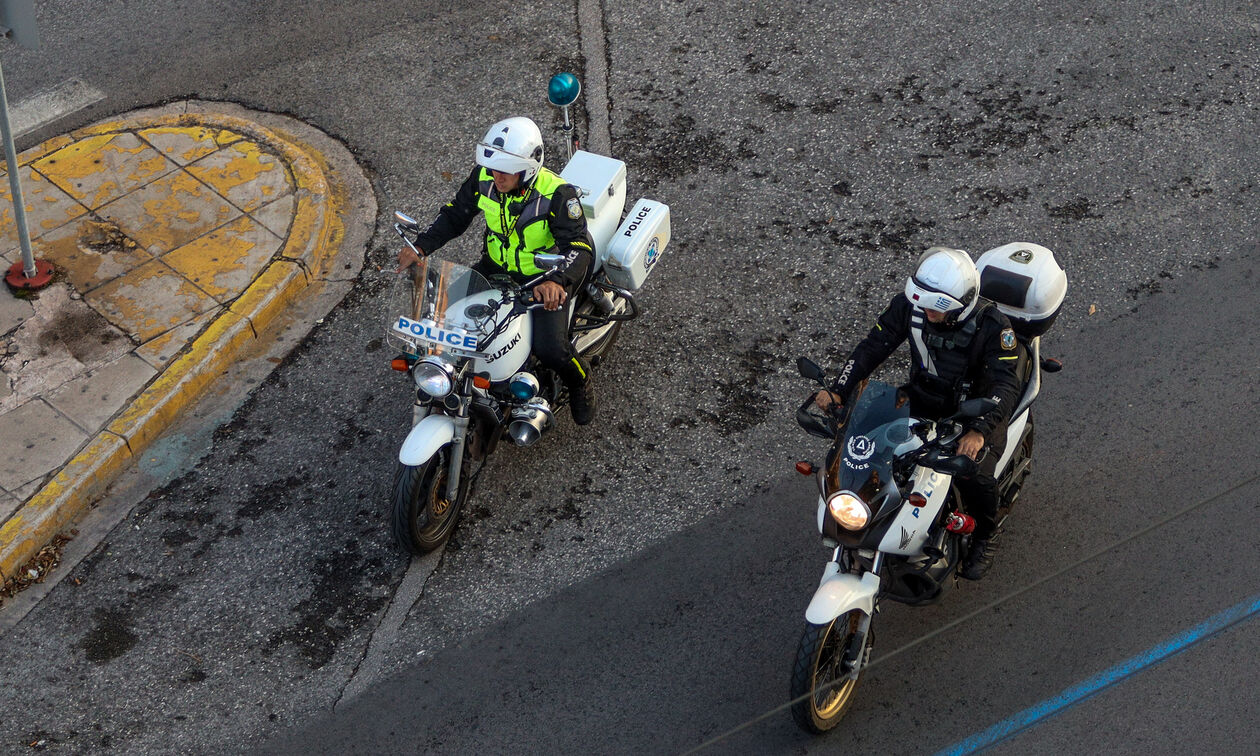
639	584
696	637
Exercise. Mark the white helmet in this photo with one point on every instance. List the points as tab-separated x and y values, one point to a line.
946	280
513	145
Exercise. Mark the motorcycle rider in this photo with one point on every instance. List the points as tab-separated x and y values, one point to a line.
962	347
528	210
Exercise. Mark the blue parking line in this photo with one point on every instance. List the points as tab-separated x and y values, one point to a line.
1052	706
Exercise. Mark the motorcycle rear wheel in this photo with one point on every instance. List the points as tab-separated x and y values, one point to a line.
422	517
821	689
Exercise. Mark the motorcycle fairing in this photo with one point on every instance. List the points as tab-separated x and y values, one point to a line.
440	307
909	529
877	432
1014	434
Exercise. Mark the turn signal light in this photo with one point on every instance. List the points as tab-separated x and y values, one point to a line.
399	364
481	382
805	468
917	500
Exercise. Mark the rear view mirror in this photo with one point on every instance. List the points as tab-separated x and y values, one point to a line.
809	369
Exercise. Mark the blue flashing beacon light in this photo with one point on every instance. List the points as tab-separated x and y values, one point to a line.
563	90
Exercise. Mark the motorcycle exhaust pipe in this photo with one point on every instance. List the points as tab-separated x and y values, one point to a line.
530	421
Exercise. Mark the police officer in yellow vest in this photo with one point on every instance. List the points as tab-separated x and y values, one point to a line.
528	210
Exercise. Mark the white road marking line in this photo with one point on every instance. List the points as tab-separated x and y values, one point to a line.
47	106
372	666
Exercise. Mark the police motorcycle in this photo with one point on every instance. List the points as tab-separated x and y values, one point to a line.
887	506
465	342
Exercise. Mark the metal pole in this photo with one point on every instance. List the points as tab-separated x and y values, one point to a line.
15	183
568	131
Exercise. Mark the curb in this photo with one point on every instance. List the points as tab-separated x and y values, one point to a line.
315	232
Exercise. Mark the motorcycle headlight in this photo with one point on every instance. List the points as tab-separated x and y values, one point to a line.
433	376
848	510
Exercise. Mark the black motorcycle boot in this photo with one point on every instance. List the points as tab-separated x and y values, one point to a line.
577	379
582	402
980	558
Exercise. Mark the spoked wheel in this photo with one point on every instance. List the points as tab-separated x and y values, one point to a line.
820	678
423	516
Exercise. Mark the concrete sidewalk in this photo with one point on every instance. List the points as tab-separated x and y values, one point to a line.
179	234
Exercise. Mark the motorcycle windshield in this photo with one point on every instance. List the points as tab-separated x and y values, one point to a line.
876	433
441	307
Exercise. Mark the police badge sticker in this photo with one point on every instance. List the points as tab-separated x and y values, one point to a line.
574	208
860	448
1008	339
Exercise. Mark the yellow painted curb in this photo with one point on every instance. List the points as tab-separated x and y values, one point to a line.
314	235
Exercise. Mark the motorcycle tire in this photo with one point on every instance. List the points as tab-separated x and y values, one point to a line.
422	517
821	691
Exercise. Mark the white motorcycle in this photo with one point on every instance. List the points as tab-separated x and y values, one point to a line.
465	342
886	504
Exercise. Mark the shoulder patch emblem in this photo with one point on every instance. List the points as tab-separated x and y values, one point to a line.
1008	338
574	208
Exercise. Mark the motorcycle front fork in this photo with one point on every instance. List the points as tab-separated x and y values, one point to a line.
857	645
420	411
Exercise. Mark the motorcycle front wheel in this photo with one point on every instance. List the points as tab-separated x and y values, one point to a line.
822	690
423	517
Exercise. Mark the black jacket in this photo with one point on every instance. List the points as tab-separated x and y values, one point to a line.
455	216
978	357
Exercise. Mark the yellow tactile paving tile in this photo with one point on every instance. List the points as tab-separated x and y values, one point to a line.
248	176
169	212
91	253
184	144
150	300
100	169
226	260
47	207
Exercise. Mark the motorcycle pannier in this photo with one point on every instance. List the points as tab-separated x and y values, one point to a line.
1026	283
602	184
638	244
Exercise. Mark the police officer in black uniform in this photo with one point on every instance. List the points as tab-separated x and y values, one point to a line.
528	210
963	347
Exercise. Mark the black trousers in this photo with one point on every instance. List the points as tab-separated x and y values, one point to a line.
552	346
980	491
